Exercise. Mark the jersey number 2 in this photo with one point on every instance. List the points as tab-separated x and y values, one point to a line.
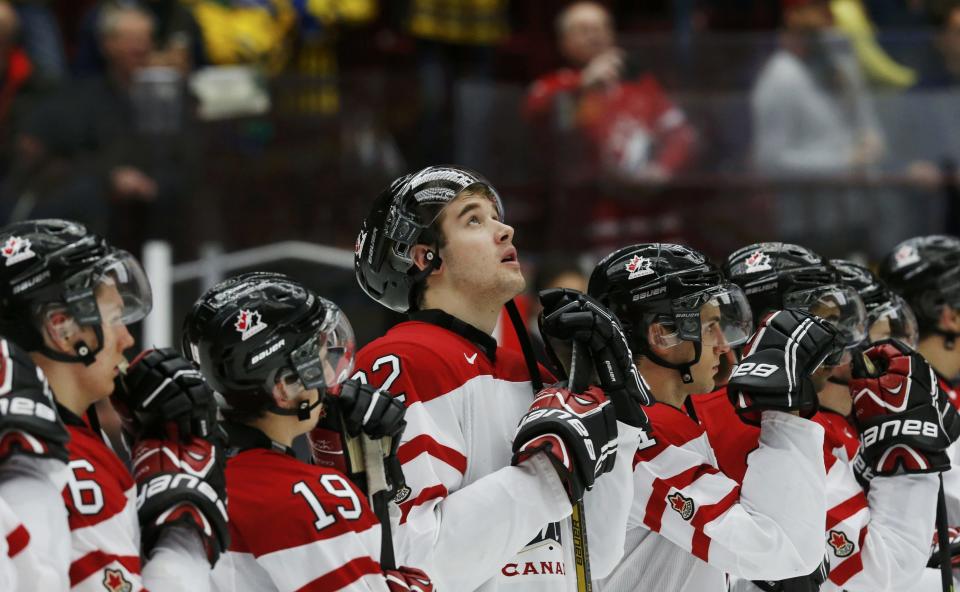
336	486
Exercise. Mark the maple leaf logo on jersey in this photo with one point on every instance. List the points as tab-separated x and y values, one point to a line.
681	505
757	261
841	545
114	581
639	267
16	249
249	324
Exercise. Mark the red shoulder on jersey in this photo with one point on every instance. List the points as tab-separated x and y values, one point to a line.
421	361
278	502
732	439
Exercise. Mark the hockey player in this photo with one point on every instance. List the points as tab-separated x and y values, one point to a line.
67	298
873	540
690	522
487	505
34	537
273	349
925	270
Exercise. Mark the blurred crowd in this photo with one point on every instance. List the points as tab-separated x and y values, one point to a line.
250	121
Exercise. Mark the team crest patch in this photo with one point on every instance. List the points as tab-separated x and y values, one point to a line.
681	505
16	249
905	255
639	267
249	324
114	581
757	261
841	545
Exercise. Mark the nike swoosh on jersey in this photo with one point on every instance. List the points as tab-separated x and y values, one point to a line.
470	359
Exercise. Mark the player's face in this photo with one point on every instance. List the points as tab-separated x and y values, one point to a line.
479	259
97	379
713	347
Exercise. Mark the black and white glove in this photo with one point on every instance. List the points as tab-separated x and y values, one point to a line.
905	419
578	432
29	422
169	416
774	373
571	315
357	409
162	392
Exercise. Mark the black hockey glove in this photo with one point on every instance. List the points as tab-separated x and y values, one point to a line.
29	423
578	432
778	360
906	421
162	393
568	314
359	409
182	483
953	537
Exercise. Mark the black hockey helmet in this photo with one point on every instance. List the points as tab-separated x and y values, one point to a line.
399	219
50	265
253	330
669	284
888	314
925	270
778	276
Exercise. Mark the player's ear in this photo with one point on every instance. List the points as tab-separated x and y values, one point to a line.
423	255
59	330
660	337
286	392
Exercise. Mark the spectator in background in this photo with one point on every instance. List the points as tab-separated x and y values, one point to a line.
177	39
813	119
944	69
636	132
110	147
18	84
456	42
852	19
42	39
811	111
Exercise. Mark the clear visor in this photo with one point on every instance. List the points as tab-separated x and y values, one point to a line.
894	320
840	306
723	319
326	359
120	287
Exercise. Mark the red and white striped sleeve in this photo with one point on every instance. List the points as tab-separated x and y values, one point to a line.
769	528
441	516
40	546
881	540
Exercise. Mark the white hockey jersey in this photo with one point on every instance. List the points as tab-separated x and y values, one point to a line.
101	502
470	520
874	542
294	526
690	522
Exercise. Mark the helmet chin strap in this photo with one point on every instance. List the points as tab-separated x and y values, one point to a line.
302	411
684	369
433	262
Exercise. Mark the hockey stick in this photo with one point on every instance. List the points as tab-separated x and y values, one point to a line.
943	540
379	493
581	555
580	368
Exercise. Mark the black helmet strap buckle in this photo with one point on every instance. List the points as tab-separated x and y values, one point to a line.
302	411
433	262
85	354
